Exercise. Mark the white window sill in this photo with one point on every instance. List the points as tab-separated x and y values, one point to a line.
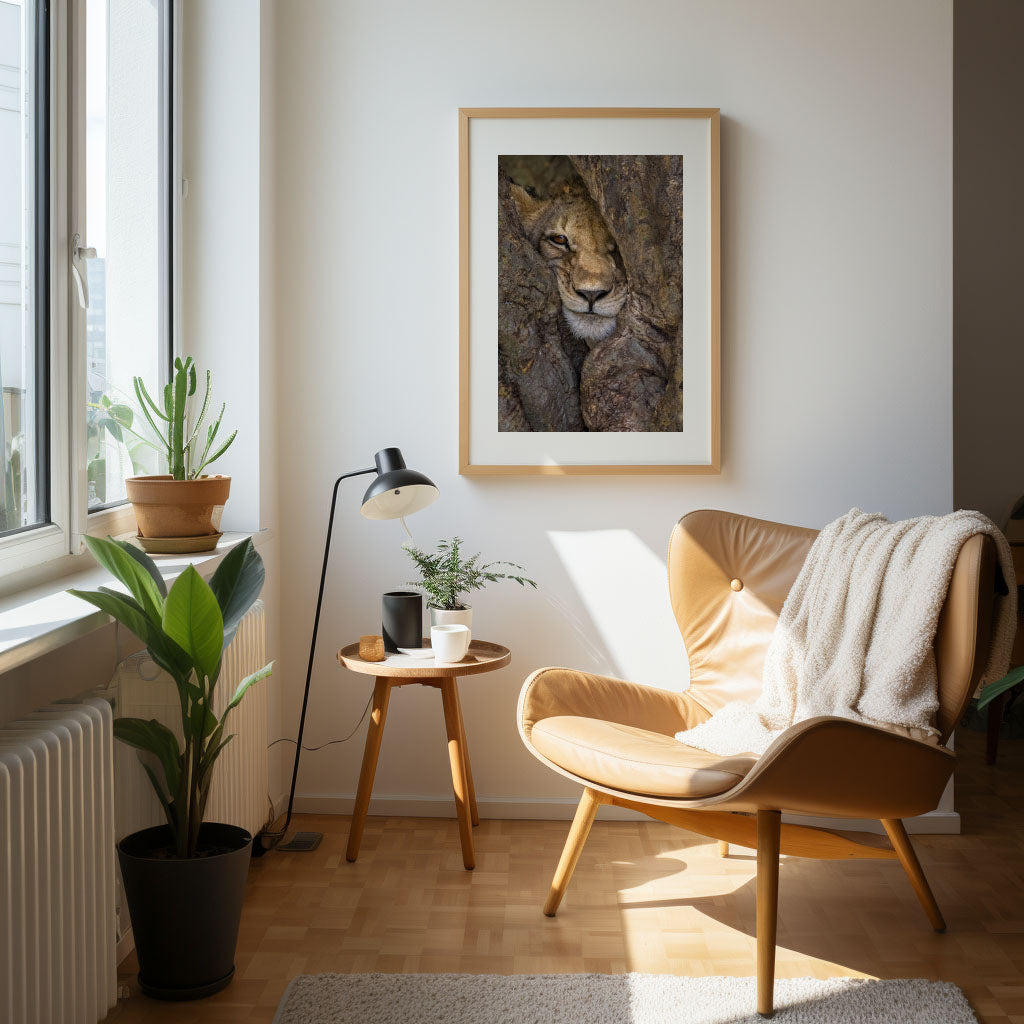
42	618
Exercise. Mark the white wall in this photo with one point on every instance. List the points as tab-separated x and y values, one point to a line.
228	110
836	185
222	234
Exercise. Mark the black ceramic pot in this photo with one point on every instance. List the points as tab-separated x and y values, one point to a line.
185	913
402	620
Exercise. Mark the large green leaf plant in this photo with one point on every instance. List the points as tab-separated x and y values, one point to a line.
186	630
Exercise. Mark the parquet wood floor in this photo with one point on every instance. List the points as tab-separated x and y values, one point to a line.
645	897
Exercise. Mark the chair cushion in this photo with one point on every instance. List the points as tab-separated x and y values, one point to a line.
634	760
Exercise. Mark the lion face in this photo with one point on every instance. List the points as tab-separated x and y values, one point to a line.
569	232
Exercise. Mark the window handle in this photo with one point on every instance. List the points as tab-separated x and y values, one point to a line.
78	269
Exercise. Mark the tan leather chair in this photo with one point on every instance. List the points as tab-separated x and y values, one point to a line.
728	578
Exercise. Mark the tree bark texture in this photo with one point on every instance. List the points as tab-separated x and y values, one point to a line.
539	362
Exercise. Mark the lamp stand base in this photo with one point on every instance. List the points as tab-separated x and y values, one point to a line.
301	842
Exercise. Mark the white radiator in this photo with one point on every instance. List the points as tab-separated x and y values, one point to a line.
57	960
238	795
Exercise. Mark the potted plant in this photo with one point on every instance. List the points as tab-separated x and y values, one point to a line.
184	880
446	577
184	502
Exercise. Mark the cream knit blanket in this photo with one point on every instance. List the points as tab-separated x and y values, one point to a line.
855	636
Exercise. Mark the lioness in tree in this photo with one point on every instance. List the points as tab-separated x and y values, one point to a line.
569	232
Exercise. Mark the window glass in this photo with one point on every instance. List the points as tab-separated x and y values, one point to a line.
23	198
127	223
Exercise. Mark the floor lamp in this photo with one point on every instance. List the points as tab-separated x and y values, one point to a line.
396	492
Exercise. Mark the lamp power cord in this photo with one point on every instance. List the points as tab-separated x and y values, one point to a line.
275	837
329	743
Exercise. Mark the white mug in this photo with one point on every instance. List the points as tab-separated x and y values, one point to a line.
450	643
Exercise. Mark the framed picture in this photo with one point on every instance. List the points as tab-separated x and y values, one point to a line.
589	310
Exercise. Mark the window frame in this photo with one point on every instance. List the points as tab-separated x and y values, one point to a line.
32	545
61	350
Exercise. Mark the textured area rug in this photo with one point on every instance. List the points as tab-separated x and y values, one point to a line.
610	999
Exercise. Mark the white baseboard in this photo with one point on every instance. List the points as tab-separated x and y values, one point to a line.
512	808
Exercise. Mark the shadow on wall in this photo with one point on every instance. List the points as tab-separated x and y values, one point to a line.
623	585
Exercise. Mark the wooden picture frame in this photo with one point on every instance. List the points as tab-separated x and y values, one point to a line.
699	390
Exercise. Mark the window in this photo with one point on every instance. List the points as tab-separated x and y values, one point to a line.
86	215
24	248
127	219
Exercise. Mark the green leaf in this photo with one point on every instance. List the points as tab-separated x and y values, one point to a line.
159	791
202	720
123	608
244	685
1000	686
113	428
236	584
218	453
143	396
131	573
167	654
146	562
211	755
122	413
156	738
202	412
192	619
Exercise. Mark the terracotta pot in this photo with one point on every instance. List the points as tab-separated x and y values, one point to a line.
165	507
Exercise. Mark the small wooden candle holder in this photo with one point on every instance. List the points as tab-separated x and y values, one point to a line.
371	648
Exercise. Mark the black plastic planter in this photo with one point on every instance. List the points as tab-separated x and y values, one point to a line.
185	913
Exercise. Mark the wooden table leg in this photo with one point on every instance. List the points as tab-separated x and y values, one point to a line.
473	812
374	735
456	755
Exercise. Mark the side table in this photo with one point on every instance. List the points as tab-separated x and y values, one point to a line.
402	670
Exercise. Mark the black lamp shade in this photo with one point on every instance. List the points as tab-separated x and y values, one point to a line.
397	490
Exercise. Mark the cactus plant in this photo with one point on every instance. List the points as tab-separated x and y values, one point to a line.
171	423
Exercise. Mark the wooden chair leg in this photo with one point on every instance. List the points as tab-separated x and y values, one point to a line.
374	735
905	851
723	848
585	813
769	825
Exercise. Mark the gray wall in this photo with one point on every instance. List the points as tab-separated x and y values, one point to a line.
988	255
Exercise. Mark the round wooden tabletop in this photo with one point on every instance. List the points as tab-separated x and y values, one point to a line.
482	657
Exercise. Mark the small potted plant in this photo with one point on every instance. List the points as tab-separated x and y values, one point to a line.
184	502
184	881
447	577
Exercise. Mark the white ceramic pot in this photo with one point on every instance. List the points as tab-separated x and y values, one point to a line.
455	617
